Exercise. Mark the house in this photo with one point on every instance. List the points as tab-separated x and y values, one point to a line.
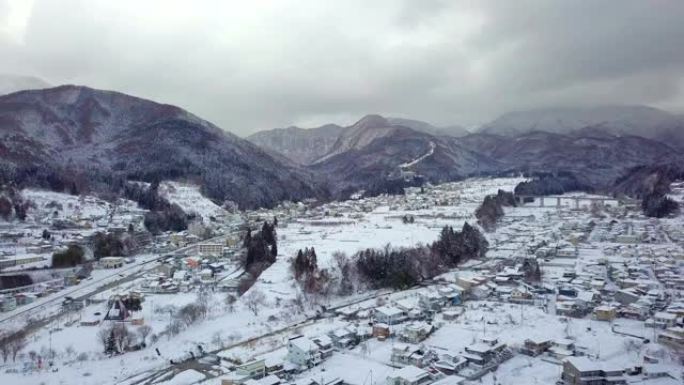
452	314
562	348
251	370
664	319
381	331
568	309
389	315
482	353
303	352
410	354
605	313
415	332
325	346
409	375
673	336
343	338
450	363
628	296
111	262
583	371
206	275
8	303
431	300
519	296
452	293
535	346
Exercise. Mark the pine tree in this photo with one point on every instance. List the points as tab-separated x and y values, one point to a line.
248	238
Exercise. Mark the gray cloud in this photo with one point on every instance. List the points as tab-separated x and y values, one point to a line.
256	65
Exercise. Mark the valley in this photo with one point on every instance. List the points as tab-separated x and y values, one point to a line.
583	250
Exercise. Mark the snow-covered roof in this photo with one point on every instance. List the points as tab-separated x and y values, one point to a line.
304	344
389	311
410	373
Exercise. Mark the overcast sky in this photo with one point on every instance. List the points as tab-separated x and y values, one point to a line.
252	65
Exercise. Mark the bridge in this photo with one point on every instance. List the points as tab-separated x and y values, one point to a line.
555	200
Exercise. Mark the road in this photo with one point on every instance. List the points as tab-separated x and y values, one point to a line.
208	370
119	277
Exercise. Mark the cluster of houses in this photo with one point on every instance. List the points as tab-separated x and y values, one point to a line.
206	264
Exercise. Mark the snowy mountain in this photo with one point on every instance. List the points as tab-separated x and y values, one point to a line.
642	121
360	134
306	146
13	83
300	145
94	140
374	154
596	159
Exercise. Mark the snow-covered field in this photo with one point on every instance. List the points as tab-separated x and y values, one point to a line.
189	198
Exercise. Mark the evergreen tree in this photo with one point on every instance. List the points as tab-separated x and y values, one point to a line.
248	238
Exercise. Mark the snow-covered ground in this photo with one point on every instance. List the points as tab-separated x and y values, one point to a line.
348	227
189	198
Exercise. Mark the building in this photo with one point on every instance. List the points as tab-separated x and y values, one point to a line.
605	313
8	303
247	371
583	371
486	351
673	336
389	315
325	346
303	352
381	331
628	296
111	262
535	346
415	332
214	249
409	375
344	337
410	354
664	319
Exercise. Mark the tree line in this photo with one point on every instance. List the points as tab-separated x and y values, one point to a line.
162	215
260	252
389	267
491	209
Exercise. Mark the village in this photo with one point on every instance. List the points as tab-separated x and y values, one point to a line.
574	289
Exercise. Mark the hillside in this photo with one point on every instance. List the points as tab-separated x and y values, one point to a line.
597	160
300	145
73	137
374	154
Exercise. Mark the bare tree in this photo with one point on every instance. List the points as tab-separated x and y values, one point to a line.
230	302
191	312
144	331
5	349
18	344
103	337
216	339
122	337
254	301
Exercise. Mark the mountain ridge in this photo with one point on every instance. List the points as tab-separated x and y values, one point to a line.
97	139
